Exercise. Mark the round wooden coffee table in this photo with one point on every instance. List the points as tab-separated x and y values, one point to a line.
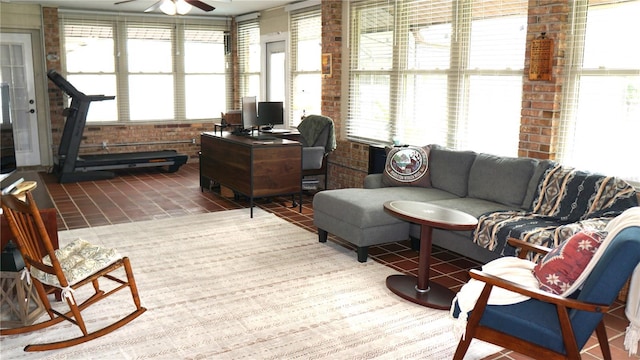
419	290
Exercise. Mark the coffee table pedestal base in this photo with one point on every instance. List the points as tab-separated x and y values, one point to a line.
437	297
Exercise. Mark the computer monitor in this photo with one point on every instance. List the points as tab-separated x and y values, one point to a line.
270	113
249	112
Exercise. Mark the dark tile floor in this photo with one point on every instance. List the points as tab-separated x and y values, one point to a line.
144	194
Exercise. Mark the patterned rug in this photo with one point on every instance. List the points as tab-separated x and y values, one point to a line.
225	286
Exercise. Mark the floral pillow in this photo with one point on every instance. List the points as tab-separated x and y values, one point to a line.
407	166
560	268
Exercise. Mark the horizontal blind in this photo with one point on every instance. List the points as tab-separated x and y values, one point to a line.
249	58
370	70
491	44
305	28
90	62
601	107
142	61
422	71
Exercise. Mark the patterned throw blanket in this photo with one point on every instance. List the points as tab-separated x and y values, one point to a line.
567	201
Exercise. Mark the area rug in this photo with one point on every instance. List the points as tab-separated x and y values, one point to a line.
226	286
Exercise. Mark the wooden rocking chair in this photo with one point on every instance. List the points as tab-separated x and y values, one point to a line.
53	270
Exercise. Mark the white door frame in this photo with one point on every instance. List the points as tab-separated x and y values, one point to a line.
25	117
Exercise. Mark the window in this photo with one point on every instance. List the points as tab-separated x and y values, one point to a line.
249	58
306	51
158	71
601	112
90	64
446	72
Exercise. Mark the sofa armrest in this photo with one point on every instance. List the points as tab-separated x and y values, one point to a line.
373	181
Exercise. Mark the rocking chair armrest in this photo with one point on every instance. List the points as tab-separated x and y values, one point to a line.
536	293
527	247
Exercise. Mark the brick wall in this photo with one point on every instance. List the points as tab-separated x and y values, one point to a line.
541	100
348	164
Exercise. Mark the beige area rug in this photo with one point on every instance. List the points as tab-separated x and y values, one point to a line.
224	286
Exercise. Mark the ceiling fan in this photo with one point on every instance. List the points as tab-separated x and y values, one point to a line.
171	7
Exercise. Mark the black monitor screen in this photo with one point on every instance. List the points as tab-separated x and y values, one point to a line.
249	114
271	113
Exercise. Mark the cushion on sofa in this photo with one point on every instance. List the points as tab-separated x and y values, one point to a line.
407	166
449	169
500	179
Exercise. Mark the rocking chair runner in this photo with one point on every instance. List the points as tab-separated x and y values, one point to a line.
68	269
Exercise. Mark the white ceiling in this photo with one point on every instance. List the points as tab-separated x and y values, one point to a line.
223	7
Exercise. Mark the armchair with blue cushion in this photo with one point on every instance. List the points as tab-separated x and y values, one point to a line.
549	326
317	136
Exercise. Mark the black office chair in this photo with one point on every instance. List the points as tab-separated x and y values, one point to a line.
317	136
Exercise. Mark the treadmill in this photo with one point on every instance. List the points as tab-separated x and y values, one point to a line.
70	167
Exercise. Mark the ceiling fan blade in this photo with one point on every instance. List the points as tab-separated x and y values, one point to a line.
200	5
154	7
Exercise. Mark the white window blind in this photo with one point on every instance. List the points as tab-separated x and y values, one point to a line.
306	49
91	64
601	108
205	84
249	58
446	72
158	70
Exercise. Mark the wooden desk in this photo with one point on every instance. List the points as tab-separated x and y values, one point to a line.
254	168
43	200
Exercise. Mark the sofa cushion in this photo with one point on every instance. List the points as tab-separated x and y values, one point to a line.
364	207
500	179
560	268
449	169
407	166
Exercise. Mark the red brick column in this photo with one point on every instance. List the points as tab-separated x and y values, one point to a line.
542	100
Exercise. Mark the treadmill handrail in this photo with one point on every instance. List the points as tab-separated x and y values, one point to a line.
71	90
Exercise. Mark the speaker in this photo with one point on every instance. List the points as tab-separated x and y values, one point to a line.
227	43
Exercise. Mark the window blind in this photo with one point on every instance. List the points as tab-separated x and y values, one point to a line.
601	100
305	27
159	69
249	58
437	71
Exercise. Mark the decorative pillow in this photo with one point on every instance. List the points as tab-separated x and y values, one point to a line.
560	268
407	166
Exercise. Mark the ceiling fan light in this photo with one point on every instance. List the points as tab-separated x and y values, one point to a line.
182	7
168	7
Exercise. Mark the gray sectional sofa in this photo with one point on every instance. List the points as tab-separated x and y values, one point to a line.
475	183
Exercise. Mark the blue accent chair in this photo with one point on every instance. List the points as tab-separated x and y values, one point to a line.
548	326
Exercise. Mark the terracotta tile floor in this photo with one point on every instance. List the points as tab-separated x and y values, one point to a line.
144	194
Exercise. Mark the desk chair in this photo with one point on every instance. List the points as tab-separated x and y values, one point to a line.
548	326
67	269
317	137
